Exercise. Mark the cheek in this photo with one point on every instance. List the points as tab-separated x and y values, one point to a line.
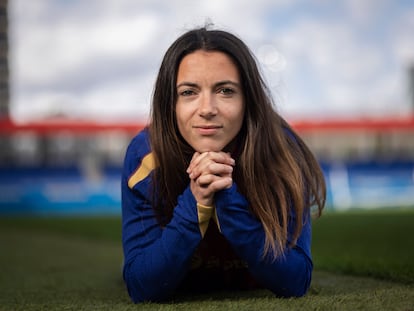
238	117
180	125
182	119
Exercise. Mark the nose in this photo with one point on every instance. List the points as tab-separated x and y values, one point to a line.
207	106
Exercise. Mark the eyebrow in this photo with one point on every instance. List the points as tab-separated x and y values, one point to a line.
217	84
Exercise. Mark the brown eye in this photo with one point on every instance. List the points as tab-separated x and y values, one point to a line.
187	93
226	91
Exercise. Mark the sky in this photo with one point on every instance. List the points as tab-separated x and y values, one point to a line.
98	59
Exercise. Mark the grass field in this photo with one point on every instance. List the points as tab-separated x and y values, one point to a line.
363	261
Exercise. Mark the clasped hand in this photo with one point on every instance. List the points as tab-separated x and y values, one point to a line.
210	172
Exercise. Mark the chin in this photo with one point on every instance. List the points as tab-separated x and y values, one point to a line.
202	149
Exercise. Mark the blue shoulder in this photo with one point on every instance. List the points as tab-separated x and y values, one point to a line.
138	148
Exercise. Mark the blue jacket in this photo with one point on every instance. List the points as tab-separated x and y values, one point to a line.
159	260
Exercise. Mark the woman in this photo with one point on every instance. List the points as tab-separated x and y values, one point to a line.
217	190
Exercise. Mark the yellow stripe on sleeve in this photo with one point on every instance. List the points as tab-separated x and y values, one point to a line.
147	165
204	214
215	218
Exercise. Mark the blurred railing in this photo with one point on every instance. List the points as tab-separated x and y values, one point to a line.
74	166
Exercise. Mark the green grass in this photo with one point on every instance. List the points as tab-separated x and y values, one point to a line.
369	243
363	261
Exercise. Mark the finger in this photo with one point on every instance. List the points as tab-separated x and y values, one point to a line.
218	169
228	159
205	187
195	160
221	157
197	164
211	168
202	194
205	180
213	183
218	163
221	184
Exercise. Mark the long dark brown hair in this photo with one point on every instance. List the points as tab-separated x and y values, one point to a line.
275	170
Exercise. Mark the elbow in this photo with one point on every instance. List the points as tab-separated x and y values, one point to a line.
297	283
135	290
287	278
140	291
136	295
298	290
293	289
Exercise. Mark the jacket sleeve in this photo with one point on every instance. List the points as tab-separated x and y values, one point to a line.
287	276
155	259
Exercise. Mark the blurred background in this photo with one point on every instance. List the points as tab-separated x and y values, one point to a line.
76	79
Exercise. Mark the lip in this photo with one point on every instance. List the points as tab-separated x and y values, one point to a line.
207	130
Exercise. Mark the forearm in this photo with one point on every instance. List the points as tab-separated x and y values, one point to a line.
287	275
157	259
153	273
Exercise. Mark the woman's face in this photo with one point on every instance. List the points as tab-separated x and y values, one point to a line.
210	103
